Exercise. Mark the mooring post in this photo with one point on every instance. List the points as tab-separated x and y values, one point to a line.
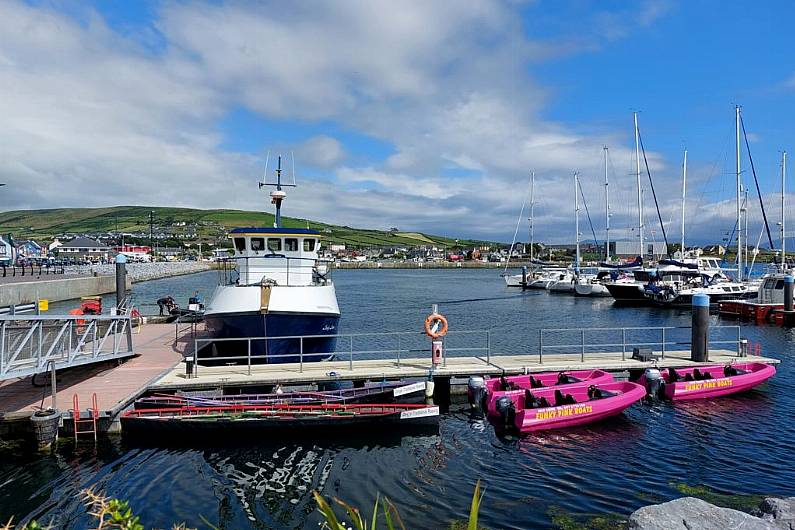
699	349
789	284
121	281
524	277
441	390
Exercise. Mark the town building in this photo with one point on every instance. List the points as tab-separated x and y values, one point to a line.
85	248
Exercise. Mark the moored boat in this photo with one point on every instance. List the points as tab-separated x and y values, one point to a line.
284	419
517	384
373	393
707	381
556	408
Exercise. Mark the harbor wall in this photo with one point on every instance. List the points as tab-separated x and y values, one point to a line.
16	293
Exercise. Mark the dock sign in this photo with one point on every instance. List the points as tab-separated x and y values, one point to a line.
44	305
409	389
419	413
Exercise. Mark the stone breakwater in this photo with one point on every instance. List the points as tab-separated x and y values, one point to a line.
141	272
689	513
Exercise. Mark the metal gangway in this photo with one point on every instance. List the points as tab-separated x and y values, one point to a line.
32	344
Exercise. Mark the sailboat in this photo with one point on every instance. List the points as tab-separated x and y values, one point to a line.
595	285
568	279
275	285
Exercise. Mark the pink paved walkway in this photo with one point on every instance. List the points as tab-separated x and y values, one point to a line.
156	349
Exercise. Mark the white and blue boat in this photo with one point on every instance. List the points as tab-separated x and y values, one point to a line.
274	285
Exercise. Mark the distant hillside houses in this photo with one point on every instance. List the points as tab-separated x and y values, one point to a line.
85	248
6	252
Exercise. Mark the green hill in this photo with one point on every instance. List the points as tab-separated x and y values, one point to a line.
210	225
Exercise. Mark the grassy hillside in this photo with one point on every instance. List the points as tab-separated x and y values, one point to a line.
211	224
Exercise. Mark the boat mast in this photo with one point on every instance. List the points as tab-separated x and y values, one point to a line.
739	196
684	189
576	223
532	210
783	211
607	212
637	175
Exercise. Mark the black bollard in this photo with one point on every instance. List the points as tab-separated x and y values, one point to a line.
789	284
121	280
699	351
524	276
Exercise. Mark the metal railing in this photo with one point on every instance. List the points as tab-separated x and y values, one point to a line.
666	339
29	344
30	270
400	346
229	270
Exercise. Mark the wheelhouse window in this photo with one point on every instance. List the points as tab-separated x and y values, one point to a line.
274	244
769	283
240	244
780	284
309	245
290	244
257	244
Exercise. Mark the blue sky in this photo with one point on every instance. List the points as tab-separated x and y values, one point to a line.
428	116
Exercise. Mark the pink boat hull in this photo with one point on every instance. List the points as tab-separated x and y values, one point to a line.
548	379
585	411
720	385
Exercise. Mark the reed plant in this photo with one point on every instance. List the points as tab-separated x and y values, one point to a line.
385	510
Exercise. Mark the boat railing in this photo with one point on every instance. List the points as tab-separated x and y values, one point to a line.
401	346
292	271
661	340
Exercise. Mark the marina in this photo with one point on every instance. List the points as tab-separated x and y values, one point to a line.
435	265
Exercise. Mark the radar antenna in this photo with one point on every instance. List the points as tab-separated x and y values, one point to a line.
277	195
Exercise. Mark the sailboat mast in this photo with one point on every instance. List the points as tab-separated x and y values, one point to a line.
532	212
684	190
607	212
577	223
783	210
739	196
637	175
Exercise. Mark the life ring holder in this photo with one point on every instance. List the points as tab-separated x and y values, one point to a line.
432	319
135	316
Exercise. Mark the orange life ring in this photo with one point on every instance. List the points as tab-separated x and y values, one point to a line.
430	321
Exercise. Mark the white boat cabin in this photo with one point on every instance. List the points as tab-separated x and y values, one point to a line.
772	289
281	256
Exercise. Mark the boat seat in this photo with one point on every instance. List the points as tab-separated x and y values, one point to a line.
730	371
594	392
673	377
565	379
560	399
689	377
535	383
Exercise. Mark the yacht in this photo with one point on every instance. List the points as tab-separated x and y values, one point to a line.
274	285
674	288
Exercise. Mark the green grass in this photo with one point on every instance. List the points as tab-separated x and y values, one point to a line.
45	224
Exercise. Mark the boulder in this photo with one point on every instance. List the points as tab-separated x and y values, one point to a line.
689	513
779	512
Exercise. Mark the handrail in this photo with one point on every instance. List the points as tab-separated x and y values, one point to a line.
590	347
225	271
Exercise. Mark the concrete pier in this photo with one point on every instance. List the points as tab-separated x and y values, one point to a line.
64	288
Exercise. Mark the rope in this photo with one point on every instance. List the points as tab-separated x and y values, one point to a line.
756	181
515	233
579	185
654	194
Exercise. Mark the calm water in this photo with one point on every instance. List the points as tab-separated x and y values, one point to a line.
741	444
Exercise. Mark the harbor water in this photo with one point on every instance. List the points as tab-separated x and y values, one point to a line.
733	445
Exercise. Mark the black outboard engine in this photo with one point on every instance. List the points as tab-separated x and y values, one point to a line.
655	384
506	410
476	392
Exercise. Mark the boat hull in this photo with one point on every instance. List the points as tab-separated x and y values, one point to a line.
719	384
272	350
591	289
284	420
627	293
583	412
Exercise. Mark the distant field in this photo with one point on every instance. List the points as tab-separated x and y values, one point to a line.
45	224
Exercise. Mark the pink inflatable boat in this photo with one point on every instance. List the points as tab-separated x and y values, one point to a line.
560	407
708	381
517	384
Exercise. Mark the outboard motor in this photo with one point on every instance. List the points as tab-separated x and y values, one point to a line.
506	410
654	382
476	392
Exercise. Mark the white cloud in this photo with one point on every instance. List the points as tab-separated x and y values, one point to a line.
91	117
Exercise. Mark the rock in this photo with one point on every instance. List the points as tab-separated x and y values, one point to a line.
689	513
780	512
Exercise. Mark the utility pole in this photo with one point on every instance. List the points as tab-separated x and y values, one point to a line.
152	232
